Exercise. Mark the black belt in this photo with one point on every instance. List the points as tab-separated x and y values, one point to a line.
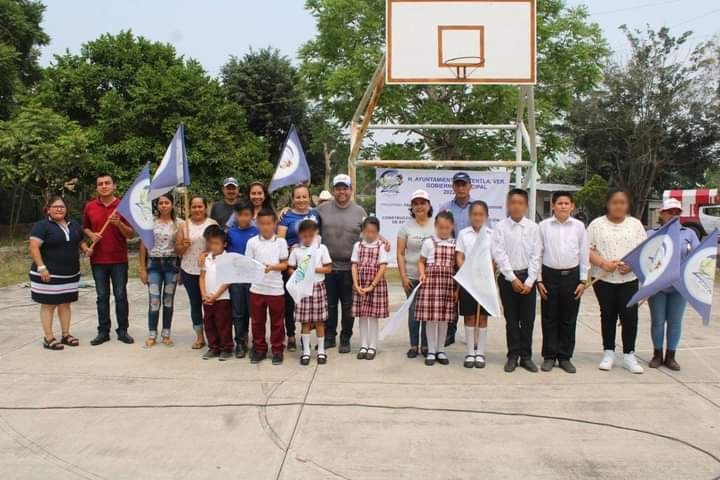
520	272
562	273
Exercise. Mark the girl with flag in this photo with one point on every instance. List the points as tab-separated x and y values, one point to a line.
312	310
667	308
475	316
370	297
610	238
436	299
158	270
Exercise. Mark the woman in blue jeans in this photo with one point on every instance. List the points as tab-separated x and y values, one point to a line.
159	271
667	308
191	245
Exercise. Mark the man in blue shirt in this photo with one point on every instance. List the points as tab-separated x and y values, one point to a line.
237	238
459	206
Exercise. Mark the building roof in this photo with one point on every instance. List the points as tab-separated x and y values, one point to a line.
557	187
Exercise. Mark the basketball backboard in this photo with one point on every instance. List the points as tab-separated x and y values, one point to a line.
461	41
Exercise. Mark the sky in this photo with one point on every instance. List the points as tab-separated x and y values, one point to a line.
213	30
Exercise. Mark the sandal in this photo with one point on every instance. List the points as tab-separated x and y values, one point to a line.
168	341
370	354
150	341
322	359
198	344
52	344
412	353
362	353
305	360
69	340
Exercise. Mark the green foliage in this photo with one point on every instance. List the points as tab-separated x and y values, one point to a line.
591	198
647	129
20	37
266	85
42	150
338	63
130	94
566	174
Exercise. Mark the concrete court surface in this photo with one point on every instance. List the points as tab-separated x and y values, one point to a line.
126	412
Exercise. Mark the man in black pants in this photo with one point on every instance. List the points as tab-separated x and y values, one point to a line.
565	265
516	250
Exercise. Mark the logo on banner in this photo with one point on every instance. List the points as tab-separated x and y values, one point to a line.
655	256
140	206
289	161
699	274
390	181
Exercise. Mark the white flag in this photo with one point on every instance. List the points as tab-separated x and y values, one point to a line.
399	318
476	275
301	282
236	268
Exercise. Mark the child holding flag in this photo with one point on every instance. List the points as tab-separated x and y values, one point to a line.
268	295
312	310
475	316
668	306
239	234
436	299
370	298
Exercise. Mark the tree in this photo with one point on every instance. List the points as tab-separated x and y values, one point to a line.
567	173
326	147
646	129
266	85
130	94
591	198
337	66
20	37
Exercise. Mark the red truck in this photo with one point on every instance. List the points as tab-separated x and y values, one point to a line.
693	201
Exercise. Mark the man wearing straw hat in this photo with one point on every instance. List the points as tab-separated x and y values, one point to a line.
108	232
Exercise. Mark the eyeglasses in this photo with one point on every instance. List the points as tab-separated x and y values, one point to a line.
58	207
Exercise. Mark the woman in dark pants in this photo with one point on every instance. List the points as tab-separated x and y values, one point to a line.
610	238
55	245
409	242
191	244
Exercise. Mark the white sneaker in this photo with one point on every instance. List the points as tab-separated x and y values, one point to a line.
631	364
607	360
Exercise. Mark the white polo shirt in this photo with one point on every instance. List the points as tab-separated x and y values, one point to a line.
298	253
211	283
467	236
268	251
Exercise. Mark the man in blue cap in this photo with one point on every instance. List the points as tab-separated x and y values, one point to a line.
459	206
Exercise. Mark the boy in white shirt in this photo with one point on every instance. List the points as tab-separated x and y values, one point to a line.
268	295
312	310
217	308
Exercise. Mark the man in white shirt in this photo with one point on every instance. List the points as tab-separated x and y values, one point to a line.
564	271
516	251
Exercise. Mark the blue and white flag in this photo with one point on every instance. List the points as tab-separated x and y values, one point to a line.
135	207
173	169
697	276
234	267
656	261
302	281
292	167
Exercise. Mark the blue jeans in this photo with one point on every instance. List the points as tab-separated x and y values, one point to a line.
666	308
192	287
162	280
415	328
103	274
240	298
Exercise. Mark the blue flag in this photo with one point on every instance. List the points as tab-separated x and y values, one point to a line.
135	207
173	169
656	261
697	276
292	167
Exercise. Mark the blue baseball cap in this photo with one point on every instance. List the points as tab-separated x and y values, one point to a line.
461	177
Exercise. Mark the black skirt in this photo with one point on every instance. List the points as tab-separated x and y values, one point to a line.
468	305
60	289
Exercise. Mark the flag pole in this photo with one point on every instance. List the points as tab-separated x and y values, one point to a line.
477	327
104	227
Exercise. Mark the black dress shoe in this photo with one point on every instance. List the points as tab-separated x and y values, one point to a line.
567	366
547	364
211	354
344	347
125	337
510	365
277	358
240	351
256	357
100	339
528	365
225	356
291	345
412	353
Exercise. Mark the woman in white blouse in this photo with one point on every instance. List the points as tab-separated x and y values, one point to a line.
611	237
